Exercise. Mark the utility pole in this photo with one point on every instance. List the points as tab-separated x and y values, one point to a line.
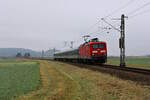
42	53
65	43
72	42
122	41
54	50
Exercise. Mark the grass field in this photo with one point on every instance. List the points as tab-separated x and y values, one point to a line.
140	62
17	78
62	81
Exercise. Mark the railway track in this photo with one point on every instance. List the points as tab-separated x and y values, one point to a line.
138	75
141	76
129	69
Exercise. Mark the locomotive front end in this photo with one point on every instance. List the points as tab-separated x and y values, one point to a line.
99	51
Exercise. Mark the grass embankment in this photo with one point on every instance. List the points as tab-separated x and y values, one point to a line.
139	62
17	78
97	86
62	81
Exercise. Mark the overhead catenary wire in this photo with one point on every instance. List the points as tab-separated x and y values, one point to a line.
132	13
117	10
92	26
101	29
98	32
137	9
110	25
114	12
138	14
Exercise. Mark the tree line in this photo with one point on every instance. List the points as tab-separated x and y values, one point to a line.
26	55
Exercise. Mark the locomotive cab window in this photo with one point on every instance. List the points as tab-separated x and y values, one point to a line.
96	46
101	46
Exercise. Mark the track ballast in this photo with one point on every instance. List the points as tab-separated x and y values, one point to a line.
141	76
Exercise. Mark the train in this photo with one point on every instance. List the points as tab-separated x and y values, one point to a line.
93	51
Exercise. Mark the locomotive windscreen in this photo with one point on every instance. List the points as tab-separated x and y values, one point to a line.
96	46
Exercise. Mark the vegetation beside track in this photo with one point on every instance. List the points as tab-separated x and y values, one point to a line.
56	85
138	62
94	85
17	78
62	81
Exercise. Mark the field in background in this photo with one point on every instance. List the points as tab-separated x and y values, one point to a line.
139	62
17	77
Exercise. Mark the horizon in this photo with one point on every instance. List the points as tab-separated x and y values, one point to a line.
66	50
40	25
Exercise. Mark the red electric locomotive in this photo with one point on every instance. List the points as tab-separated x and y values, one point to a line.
92	51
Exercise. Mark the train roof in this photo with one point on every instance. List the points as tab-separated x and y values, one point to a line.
92	41
64	51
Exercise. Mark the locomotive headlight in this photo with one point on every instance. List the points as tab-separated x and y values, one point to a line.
103	51
94	51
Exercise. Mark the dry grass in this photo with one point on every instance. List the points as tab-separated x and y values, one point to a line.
99	86
62	81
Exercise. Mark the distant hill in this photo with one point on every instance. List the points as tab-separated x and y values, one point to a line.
11	52
148	55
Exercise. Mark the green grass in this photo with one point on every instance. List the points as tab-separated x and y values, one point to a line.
141	62
17	78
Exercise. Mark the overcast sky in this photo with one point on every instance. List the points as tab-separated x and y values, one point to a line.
44	24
